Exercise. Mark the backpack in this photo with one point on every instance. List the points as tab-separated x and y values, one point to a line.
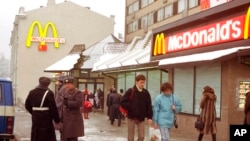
124	111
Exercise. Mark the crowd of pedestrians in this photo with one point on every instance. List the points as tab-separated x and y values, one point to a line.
66	110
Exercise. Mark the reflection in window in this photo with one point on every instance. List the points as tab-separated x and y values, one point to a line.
169	11
160	14
193	3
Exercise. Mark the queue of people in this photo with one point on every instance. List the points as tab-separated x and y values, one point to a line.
63	112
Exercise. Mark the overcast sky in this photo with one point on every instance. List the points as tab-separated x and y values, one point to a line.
9	8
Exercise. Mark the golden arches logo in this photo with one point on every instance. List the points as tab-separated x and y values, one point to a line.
43	33
246	26
159	45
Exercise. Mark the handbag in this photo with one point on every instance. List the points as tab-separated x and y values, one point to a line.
175	118
199	124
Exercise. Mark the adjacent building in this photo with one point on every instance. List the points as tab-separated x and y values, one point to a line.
42	36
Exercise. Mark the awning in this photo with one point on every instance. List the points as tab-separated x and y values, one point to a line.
64	65
202	57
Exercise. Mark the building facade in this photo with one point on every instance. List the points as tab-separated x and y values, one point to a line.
42	36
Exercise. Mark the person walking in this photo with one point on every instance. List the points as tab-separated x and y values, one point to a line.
70	101
87	106
40	103
137	101
107	102
208	113
247	109
165	106
114	102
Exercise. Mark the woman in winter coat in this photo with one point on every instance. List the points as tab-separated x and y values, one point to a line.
208	113
87	105
247	109
165	107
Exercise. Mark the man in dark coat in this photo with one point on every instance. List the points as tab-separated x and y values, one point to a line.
114	102
70	98
40	103
137	101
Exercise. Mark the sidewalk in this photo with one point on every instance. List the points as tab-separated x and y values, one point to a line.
98	127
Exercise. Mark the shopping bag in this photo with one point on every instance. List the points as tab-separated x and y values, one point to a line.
154	134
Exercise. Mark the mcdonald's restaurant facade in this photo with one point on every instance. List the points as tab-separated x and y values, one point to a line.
42	36
209	48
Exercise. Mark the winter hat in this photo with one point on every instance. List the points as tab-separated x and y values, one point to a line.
44	81
61	78
68	80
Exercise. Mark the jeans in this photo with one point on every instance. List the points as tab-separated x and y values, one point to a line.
164	134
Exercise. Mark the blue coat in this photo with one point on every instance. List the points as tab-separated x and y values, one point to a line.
163	114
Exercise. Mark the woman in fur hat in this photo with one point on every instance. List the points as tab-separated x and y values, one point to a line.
208	113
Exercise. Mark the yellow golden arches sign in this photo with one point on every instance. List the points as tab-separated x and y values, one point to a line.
246	26
159	46
42	36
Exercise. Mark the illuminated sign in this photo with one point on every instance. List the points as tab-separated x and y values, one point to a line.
206	4
228	30
42	38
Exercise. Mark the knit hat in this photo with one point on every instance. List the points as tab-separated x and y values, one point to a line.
44	81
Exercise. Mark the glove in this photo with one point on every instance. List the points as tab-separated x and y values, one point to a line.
65	101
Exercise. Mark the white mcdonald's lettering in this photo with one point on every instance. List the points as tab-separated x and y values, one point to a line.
48	39
223	31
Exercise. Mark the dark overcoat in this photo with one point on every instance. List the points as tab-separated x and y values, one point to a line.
114	103
71	116
42	121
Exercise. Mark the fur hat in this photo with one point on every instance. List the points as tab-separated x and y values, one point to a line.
44	81
68	80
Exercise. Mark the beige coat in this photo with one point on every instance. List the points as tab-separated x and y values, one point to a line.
208	113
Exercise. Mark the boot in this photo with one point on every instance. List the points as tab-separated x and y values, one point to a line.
200	137
213	137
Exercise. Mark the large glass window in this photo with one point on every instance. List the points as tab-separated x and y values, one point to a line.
183	87
181	5
208	75
160	14
193	3
189	83
121	81
130	28
130	80
169	11
146	2
154	77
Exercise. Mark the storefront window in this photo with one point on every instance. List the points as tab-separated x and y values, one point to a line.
242	88
189	83
121	81
130	80
164	77
208	75
154	83
184	87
